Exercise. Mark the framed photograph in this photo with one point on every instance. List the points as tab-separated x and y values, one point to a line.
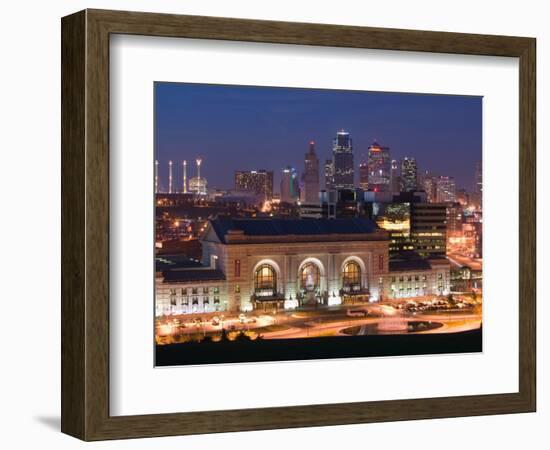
273	225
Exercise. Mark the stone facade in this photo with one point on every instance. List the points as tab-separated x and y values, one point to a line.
244	272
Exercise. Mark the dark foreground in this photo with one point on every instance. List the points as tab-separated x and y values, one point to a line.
318	348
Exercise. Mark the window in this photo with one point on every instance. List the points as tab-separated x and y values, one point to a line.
310	277
183	291
172	292
237	268
216	300
380	262
205	290
195	291
205	300
265	280
195	301
352	276
237	289
216	290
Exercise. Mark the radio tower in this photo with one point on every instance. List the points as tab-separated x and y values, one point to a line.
169	177
199	161
185	177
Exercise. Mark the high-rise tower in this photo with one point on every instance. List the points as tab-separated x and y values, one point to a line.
342	160
311	175
379	167
408	174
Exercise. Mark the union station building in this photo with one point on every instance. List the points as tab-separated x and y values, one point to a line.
267	264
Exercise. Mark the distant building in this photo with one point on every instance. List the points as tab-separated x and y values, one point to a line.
408	174
454	219
259	182
340	204
363	176
290	192
198	186
462	197
429	184
478	188
445	189
379	167
429	229
311	176
395	179
342	161
329	175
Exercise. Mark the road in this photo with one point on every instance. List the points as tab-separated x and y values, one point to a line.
462	260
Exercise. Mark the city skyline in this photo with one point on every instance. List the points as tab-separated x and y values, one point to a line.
284	117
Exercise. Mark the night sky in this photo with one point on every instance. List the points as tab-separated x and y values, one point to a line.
247	127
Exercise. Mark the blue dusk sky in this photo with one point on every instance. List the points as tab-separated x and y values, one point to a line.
248	127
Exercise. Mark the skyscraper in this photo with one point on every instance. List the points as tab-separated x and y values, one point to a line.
408	174
379	167
259	182
445	189
429	184
329	175
395	180
289	185
363	175
311	175
342	160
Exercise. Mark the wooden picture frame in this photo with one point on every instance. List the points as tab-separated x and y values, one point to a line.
85	224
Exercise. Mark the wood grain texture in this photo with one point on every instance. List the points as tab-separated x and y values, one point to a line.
85	224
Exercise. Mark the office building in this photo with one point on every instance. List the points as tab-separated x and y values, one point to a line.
408	174
379	165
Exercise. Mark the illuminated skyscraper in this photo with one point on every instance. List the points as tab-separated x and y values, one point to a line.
329	175
259	182
311	175
445	189
342	160
408	174
429	184
289	186
379	167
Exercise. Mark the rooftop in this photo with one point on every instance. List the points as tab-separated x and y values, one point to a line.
245	227
196	274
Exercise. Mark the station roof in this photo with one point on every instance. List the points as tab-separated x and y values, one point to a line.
297	227
190	275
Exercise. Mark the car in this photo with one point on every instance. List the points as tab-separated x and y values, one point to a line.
215	321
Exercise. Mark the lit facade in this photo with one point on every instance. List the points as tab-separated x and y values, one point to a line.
290	190
342	161
250	264
408	174
379	165
258	182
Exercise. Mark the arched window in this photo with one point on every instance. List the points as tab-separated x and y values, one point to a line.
265	280
352	276
310	277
